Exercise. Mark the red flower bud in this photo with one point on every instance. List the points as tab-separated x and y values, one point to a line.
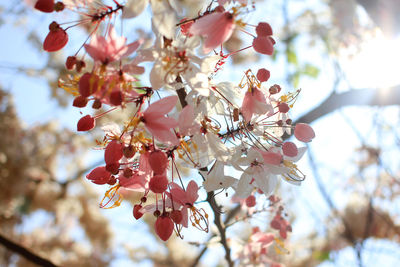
113	152
263	29
263	75
56	39
88	84
86	123
136	213
80	101
46	6
164	227
250	201
99	175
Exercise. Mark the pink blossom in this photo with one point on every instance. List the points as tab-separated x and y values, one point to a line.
185	198
216	28
111	49
156	122
254	102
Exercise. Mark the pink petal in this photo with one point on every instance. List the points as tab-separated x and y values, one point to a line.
177	194
303	132
161	107
187	125
263	45
185	217
249	105
191	192
132	48
217	27
271	157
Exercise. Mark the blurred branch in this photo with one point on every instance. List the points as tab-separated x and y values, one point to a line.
25	253
231	214
357	97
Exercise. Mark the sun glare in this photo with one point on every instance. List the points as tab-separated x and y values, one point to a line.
375	65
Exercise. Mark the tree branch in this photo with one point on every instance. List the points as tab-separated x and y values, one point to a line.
221	227
30	256
356	97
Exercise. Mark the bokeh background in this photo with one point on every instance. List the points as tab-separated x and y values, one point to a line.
343	54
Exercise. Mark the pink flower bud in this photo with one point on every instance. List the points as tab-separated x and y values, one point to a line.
263	45
263	29
289	149
283	107
304	132
86	123
158	161
263	75
164	227
158	184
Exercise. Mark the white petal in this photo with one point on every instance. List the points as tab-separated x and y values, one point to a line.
244	188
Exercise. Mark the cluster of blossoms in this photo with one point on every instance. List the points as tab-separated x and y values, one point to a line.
196	122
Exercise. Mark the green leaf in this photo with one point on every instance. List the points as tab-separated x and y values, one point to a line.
321	255
310	70
291	55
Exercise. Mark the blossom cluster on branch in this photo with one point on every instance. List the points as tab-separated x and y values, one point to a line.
196	122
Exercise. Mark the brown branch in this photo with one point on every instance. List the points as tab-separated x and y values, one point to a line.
356	97
181	92
30	256
221	227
